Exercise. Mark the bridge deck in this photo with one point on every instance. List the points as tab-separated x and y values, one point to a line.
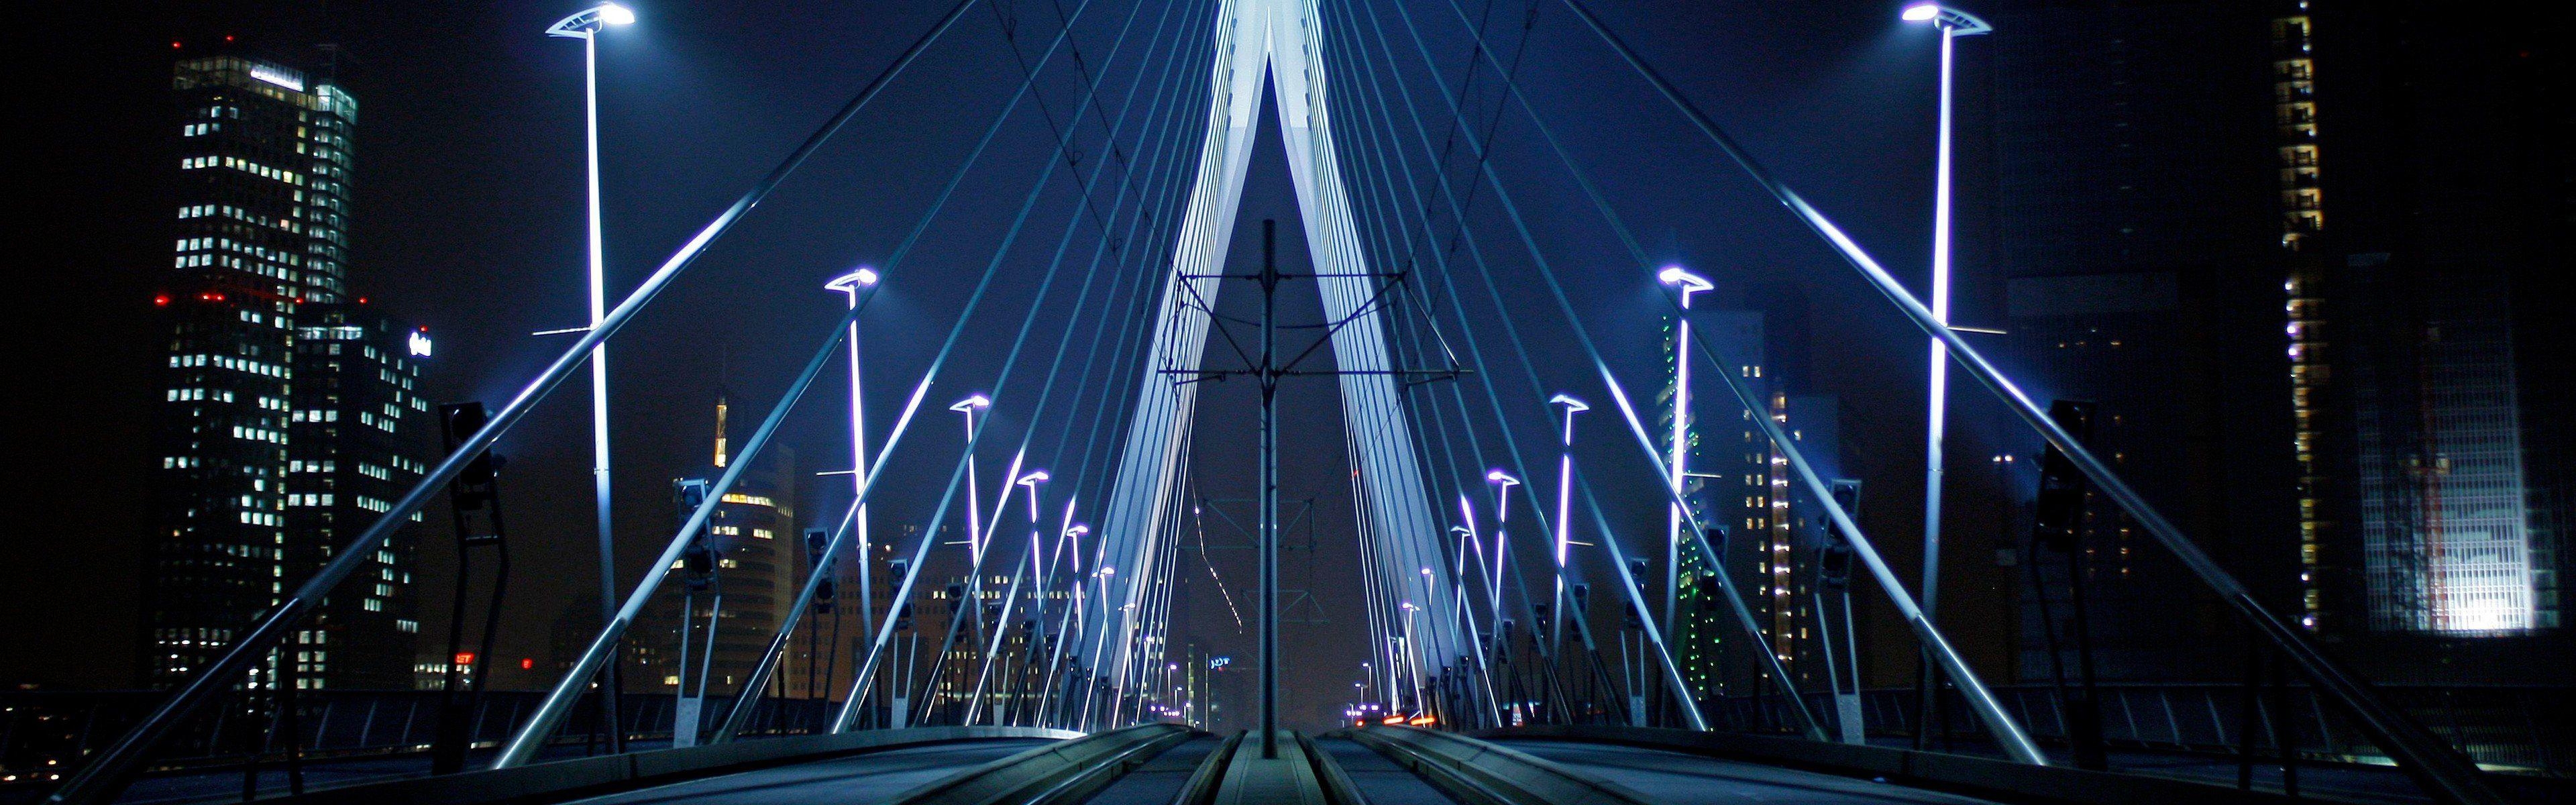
872	777
1674	778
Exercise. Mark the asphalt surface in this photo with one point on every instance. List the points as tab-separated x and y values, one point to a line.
1379	779
1673	778
867	778
1160	779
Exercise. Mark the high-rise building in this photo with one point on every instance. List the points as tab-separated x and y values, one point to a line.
261	159
2137	218
1727	483
2362	213
2427	319
355	443
726	615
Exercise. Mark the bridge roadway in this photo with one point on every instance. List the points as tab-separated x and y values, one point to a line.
1165	764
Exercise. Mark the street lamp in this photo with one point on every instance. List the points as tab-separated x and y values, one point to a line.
1030	480
584	25
1685	284
974	506
1564	535
1503	483
1953	24
852	285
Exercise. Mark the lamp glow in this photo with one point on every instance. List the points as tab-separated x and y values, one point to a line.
615	14
1922	12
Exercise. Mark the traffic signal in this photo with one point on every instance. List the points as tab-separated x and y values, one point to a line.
2060	508
1628	615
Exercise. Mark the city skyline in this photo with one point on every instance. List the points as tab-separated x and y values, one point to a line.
2015	284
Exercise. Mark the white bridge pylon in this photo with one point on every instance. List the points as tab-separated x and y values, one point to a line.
1277	39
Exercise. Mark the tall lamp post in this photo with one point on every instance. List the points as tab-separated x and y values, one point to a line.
1685	284
974	517
1953	24
853	284
585	25
1564	535
1503	483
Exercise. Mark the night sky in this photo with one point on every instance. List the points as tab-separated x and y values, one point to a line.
468	220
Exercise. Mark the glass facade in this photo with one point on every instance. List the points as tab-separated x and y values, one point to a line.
288	416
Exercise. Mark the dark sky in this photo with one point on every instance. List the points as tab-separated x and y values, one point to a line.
467	220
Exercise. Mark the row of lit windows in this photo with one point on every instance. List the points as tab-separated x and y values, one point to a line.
229	362
200	129
258	434
239	214
243	165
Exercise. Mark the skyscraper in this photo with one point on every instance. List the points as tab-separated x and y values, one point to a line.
2428	320
355	443
728	610
2138	216
1727	484
2361	212
269	451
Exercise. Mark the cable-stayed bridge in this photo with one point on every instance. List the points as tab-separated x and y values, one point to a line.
1486	681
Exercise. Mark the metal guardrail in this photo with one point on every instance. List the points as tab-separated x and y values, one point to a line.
2526	730
46	734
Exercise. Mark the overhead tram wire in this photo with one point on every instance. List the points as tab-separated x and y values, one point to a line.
1063	244
1367	67
1744	617
738	716
1072	156
1440	260
1538	259
524	743
107	775
875	653
1155	195
1065	341
1382	219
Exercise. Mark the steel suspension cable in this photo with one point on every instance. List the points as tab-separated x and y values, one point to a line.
107	775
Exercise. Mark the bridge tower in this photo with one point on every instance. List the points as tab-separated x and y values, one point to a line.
1277	40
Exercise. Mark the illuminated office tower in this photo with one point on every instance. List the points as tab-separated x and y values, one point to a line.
2437	315
358	438
259	154
758	567
1728	485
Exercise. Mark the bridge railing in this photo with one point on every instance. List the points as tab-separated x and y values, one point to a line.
2509	729
47	734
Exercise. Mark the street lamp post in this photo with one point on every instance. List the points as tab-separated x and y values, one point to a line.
584	25
974	510
1953	24
1564	536
1685	284
1503	483
852	284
